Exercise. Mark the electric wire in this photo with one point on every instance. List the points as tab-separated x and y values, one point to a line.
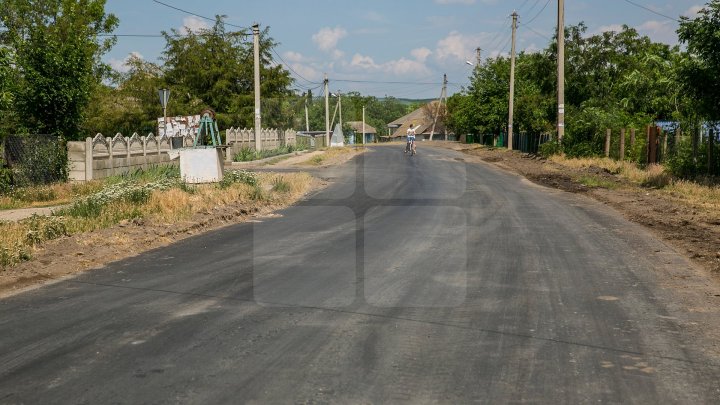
290	68
651	10
538	14
199	16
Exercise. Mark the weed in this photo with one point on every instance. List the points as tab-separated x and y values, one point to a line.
280	185
317	160
257	193
42	229
594	182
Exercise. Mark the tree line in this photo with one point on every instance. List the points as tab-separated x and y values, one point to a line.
616	79
53	81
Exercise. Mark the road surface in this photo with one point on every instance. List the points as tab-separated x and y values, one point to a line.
409	280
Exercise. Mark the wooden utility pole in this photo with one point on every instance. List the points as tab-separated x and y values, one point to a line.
511	109
443	96
561	70
327	112
307	114
363	128
608	139
258	115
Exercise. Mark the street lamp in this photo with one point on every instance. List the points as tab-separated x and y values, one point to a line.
164	95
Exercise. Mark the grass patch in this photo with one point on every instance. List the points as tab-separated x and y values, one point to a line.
156	196
595	182
248	154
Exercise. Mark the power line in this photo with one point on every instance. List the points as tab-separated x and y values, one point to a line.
651	10
535	32
538	14
287	65
198	15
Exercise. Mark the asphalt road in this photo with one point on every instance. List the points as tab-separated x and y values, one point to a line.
408	280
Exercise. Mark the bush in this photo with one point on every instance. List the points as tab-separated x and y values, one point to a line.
280	185
45	228
238	176
6	180
551	148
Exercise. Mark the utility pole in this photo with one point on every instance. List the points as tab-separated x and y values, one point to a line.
512	83
561	70
340	106
443	96
258	115
363	131
327	112
479	51
307	114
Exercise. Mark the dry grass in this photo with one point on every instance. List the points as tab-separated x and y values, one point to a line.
48	196
332	155
706	196
652	176
164	207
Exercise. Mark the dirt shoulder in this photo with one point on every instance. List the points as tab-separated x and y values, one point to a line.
692	228
68	256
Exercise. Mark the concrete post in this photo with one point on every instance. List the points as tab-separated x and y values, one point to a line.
608	136
622	145
88	159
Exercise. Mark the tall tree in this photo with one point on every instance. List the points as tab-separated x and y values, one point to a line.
58	46
698	73
216	66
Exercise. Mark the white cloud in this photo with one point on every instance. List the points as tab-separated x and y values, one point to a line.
693	11
659	31
399	67
458	47
609	28
421	54
327	39
363	62
194	24
291	56
120	65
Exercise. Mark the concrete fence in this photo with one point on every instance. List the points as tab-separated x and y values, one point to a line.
237	139
101	157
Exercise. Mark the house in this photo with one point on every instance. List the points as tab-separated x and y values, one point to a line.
422	119
357	127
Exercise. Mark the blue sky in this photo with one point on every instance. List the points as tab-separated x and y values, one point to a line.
389	40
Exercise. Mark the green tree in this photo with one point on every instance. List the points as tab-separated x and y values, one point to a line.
216	67
58	48
698	72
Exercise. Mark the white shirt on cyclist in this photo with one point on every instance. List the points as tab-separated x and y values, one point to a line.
411	134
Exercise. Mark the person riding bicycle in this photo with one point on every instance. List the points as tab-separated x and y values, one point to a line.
410	139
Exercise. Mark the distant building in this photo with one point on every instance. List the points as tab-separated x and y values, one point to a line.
370	132
422	119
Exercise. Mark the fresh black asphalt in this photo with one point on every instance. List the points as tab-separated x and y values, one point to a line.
408	280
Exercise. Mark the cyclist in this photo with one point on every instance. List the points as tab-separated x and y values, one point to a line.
410	139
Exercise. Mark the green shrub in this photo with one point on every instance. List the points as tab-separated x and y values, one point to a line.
551	148
280	185
6	180
45	228
245	155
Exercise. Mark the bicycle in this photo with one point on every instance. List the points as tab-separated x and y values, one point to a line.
410	147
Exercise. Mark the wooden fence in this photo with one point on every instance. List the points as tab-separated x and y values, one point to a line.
658	145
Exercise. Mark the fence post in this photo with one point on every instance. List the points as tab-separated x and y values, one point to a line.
664	135
89	159
695	144
711	151
110	158
652	146
608	136
622	144
678	140
632	138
